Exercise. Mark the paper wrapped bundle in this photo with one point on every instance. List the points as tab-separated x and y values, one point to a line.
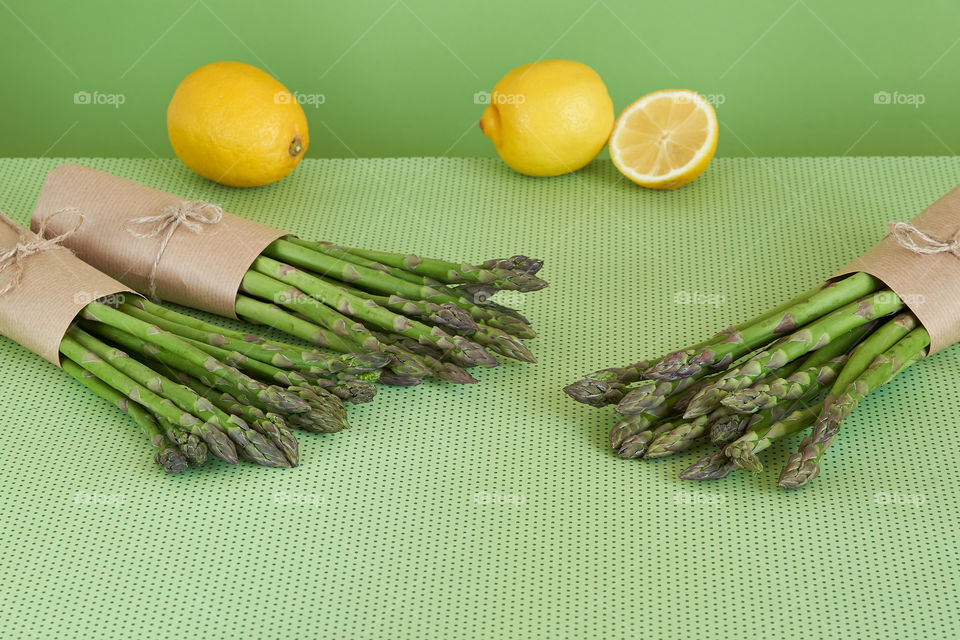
192	389
43	286
431	318
806	364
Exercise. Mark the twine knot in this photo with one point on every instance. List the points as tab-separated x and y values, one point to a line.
14	257
192	214
913	239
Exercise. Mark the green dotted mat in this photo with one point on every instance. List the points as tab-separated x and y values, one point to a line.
496	510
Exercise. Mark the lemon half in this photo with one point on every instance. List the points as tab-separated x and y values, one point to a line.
665	139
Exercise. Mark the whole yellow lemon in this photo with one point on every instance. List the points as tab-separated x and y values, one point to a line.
548	118
237	125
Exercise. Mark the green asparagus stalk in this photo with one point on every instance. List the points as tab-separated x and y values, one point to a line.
248	441
169	359
684	435
636	445
884	338
765	395
813	336
263	313
713	466
447	314
274	397
271	426
743	451
327	414
652	393
606	386
804	466
193	448
218	442
374	276
463	351
166	453
452	273
634	424
312	259
831	356
259	351
428	357
827	299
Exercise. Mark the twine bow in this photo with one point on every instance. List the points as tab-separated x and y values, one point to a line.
911	238
192	214
14	257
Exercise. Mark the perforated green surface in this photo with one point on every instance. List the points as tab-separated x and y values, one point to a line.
496	510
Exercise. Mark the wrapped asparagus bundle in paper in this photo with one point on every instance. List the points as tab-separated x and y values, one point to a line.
803	366
192	390
431	318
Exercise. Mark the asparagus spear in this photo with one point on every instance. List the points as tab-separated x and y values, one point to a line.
374	276
815	335
652	393
766	395
259	312
683	435
884	338
166	454
634	424
827	299
515	263
310	258
270	273
260	351
636	445
272	426
446	315
274	397
743	451
606	386
153	352
250	442
804	466
769	391
712	466
452	273
193	448
327	414
219	444
353	391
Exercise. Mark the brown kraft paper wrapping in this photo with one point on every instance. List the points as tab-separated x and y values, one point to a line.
202	270
929	283
54	288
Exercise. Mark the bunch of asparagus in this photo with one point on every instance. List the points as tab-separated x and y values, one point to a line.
805	365
430	318
196	389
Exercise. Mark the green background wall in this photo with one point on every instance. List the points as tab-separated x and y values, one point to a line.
398	77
